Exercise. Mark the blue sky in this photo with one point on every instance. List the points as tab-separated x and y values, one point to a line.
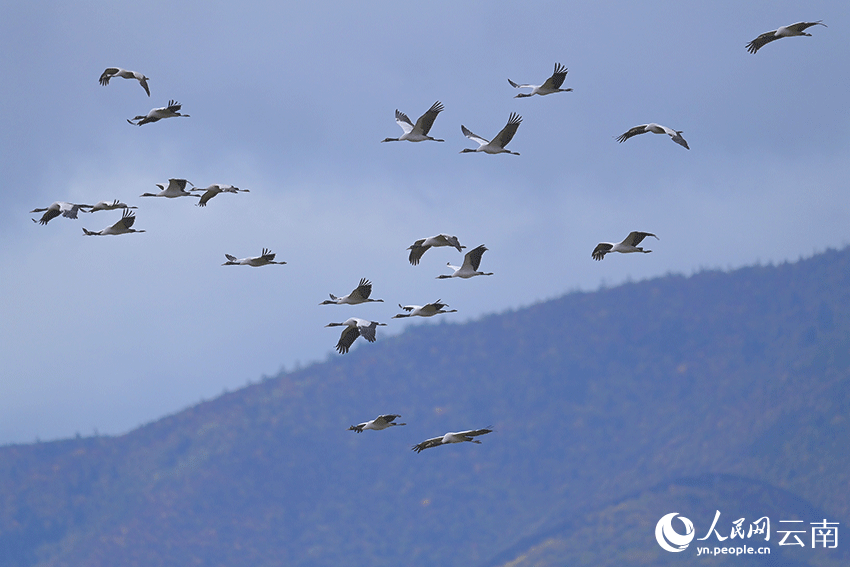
291	102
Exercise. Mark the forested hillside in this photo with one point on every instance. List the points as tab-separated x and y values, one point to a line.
719	391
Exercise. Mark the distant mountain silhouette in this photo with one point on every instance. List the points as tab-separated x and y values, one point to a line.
721	391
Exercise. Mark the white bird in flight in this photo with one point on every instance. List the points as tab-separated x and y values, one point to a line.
68	210
215	189
471	261
629	244
112	72
157	114
176	188
379	423
675	135
784	31
360	295
107	206
497	146
428	310
419	131
418	248
452	437
266	258
552	84
355	327
123	226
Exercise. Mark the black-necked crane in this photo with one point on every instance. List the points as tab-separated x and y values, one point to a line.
551	85
452	437
785	31
112	72
428	310
123	226
417	132
355	327
360	294
497	145
176	188
675	135
264	259
68	210
157	114
379	423
215	189
418	248
629	244
471	261
107	206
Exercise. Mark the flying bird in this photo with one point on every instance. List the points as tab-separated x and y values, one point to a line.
379	423
360	294
452	437
675	135
112	72
552	84
418	248
107	206
266	258
629	244
123	226
428	310
157	114
419	131
784	31
215	189
355	327
176	188
497	146
471	261
68	210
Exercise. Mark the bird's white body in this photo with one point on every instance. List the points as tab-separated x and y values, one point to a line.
176	188
551	85
157	114
215	189
452	437
355	327
471	261
111	72
264	259
428	310
378	424
417	132
675	135
123	226
418	248
360	295
497	145
67	210
628	245
792	30
107	206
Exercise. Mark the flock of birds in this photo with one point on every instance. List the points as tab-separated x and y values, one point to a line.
355	327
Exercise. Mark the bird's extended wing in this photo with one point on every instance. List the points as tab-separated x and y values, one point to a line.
403	121
474	137
601	249
507	133
433	442
557	78
423	125
632	132
472	258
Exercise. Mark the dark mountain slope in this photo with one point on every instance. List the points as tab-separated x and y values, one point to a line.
593	397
